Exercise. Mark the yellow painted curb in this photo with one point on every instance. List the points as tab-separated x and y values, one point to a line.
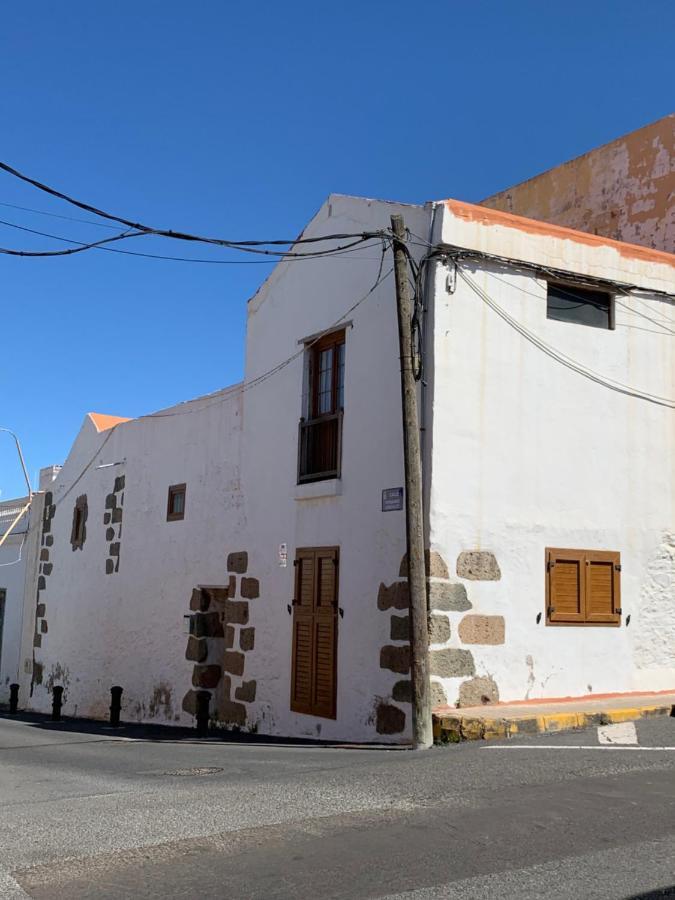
454	728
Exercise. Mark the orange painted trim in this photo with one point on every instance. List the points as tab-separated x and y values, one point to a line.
103	422
469	212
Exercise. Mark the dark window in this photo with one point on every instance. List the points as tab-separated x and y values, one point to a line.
582	306
78	534
321	429
175	508
583	587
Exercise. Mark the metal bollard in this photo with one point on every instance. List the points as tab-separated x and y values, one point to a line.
57	701
115	705
13	698
203	700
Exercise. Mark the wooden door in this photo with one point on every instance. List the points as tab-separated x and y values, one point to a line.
314	661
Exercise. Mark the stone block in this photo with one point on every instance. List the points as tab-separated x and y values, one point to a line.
44	555
38	672
246	692
199	600
42	583
439	629
197	649
106	518
190	703
396	659
446	596
49	540
400	628
250	588
115	549
438	695
109	533
451	663
478	565
393	596
475	629
390	719
229	636
237	562
109	566
236	612
216	595
119	484
110	501
233	662
207	625
232	713
47	568
116	515
232	587
478	691
402	692
43	626
37	640
247	638
206	676
40	610
434	565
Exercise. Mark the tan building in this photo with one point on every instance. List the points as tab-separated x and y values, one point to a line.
624	190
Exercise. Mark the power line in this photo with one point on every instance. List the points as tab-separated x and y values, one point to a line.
43	212
560	357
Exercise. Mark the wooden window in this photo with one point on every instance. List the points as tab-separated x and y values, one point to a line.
583	587
175	508
320	438
315	612
580	305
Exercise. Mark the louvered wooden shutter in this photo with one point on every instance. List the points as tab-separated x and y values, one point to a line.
566	582
603	587
314	665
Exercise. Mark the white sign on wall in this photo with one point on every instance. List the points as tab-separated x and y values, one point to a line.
283	555
392	498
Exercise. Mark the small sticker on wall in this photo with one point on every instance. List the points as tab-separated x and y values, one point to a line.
283	555
392	498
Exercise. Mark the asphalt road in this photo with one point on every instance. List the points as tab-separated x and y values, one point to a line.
103	815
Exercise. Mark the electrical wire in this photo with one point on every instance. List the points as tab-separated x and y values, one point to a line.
560	357
43	212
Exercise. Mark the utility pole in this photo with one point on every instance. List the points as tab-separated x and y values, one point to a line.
417	584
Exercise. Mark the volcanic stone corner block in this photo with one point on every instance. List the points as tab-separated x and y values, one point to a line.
117	515
229	636
233	662
42	583
439	630
433	563
393	596
37	640
478	691
109	533
206	676
482	630
396	659
38	672
246	692
478	565
109	566
199	600
110	501
44	555
247	638
40	610
236	612
106	518
400	628
390	719
232	713
115	549
43	626
438	695
402	692
47	568
237	562
197	649
119	484
448	597
451	663
190	703
207	625
250	588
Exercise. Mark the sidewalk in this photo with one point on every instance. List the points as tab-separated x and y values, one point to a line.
502	720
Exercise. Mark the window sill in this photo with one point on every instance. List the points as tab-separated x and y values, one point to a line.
314	490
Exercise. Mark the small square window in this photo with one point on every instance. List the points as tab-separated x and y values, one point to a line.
175	508
579	305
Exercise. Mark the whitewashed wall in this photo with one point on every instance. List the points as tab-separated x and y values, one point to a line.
528	454
12	575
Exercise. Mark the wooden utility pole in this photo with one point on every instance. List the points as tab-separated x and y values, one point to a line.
417	585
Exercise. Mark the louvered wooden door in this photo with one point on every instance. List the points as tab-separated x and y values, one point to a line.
314	662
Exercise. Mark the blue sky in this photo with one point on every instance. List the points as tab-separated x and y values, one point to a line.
238	119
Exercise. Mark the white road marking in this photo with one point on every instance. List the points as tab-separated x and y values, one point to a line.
569	747
11	889
621	733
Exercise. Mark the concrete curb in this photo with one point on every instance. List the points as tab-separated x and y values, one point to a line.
455	728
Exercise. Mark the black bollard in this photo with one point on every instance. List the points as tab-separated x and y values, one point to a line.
203	700
13	698
57	700
115	705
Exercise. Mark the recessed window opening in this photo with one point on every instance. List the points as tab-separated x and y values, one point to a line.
320	437
579	305
176	503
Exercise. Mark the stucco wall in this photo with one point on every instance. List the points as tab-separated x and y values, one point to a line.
623	190
12	575
527	454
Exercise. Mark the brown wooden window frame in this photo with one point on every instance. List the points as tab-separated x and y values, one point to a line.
175	489
326	614
320	429
586	560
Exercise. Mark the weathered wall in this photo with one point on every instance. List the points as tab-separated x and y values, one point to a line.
12	575
529	454
623	190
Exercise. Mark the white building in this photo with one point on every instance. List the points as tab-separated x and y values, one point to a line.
241	543
12	575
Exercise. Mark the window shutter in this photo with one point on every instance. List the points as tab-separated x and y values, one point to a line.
603	587
303	632
566	584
